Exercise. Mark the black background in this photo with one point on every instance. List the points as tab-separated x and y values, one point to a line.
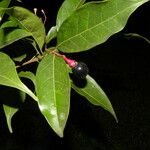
122	67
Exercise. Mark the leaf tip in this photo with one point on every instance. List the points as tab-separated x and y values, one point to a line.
59	132
114	115
116	119
61	135
10	129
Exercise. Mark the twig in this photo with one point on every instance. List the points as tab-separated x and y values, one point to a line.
37	58
57	54
32	60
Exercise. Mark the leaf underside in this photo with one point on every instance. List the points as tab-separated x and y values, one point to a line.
52	33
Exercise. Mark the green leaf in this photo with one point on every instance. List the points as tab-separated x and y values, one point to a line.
93	92
52	33
53	91
11	110
12	99
30	22
67	8
135	35
33	43
9	36
9	24
3	4
20	58
94	23
29	75
9	113
20	1
9	77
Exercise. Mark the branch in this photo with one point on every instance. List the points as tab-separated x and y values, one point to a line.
39	57
32	60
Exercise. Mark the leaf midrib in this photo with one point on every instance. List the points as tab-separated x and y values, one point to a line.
96	25
20	87
24	26
11	81
53	76
96	100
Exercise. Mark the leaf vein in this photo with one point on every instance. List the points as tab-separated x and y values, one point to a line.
97	25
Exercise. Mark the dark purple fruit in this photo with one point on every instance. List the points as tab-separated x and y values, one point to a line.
80	70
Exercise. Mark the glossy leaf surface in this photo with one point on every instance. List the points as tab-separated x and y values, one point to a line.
30	22
93	92
9	77
67	8
94	23
8	36
53	91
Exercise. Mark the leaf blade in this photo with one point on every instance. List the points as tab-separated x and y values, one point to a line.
8	36
29	75
9	24
53	91
52	33
30	22
9	77
94	94
94	23
12	99
3	4
67	8
9	113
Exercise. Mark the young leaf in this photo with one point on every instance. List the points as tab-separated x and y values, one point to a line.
20	58
9	77
52	33
135	35
8	36
9	113
30	22
12	99
29	75
33	43
3	4
67	8
53	91
93	92
19	1
94	23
